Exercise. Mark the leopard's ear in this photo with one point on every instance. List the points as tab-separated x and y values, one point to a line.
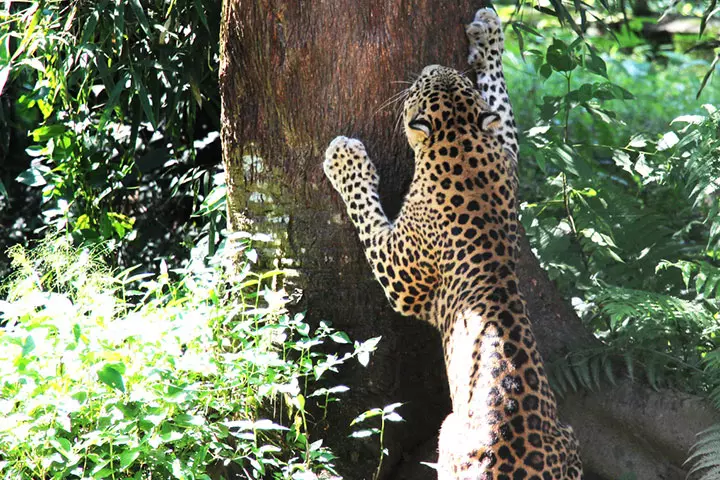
489	121
420	124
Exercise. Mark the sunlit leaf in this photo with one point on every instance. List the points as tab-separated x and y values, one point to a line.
31	177
110	375
139	12
128	457
340	337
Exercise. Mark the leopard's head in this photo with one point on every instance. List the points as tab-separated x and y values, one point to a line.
444	106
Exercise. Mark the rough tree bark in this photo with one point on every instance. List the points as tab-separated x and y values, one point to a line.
294	74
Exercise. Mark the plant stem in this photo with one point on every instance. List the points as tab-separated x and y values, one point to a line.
568	76
566	201
566	197
382	447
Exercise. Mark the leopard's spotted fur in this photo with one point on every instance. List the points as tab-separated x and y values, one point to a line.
449	259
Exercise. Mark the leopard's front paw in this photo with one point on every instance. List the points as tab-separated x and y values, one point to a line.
347	164
486	38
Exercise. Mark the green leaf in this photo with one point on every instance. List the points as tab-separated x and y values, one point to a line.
710	10
128	457
560	57
31	177
142	18
582	94
365	433
4	74
62	445
603	115
608	369
707	75
201	14
595	365
340	337
302	328
110	375
47	132
394	417
610	91
112	102
570	376
187	420
214	201
569	161
88	32
373	412
103	473
392	407
119	25
521	41
545	70
77	332
550	107
560	385
144	98
630	365
582	370
595	64
545	10
263	424
28	346
526	27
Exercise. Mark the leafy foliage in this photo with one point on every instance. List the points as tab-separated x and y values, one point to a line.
386	414
108	91
622	210
579	17
138	376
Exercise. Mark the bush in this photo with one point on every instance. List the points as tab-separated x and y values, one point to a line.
116	99
139	376
621	207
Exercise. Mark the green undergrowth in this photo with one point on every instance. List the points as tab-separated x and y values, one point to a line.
185	374
619	168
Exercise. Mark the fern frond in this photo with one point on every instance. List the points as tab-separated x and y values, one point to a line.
697	162
715	397
575	368
702	275
587	369
712	368
582	370
625	304
705	455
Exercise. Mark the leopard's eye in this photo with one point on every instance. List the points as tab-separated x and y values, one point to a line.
420	124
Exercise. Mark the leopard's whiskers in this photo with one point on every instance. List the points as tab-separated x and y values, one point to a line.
395	98
396	128
399	98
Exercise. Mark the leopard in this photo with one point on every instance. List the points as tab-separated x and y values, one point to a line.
450	258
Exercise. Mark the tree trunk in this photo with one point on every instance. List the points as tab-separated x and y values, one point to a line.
294	75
